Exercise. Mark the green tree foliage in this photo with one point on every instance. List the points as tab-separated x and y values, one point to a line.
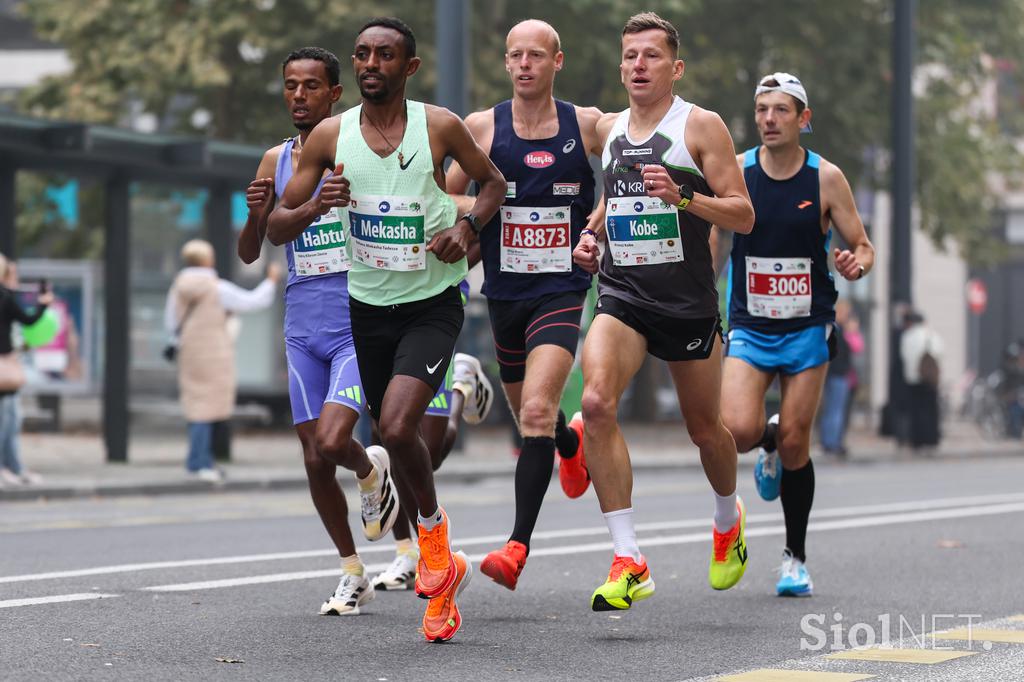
172	58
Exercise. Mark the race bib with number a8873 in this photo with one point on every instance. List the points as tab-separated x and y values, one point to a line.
535	240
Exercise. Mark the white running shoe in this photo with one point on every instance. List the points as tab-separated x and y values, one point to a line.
469	379
208	475
794	579
380	503
353	591
8	477
400	575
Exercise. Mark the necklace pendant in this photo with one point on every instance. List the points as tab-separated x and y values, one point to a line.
401	158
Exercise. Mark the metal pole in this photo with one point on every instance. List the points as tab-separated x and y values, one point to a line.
903	150
117	349
900	270
452	21
8	243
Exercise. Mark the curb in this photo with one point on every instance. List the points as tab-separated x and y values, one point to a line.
459	473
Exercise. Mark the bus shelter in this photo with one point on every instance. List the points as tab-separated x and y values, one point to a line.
118	158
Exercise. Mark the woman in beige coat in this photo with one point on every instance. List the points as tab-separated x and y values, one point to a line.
197	313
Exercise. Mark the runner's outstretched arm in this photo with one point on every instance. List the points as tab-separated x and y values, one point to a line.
842	211
730	207
259	197
451	245
298	207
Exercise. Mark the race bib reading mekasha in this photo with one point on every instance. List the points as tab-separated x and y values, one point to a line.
535	239
643	231
388	232
779	288
321	248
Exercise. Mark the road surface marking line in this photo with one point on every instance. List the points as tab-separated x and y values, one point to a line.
983	635
1018	619
257	579
55	599
481	540
922	656
772	675
607	545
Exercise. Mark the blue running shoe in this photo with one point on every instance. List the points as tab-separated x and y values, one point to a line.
794	580
767	474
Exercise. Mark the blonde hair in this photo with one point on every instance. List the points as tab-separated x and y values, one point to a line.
197	252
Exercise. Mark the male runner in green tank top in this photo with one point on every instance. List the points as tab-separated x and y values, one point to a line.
669	172
409	255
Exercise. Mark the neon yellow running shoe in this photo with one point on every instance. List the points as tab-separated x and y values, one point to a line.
628	582
729	554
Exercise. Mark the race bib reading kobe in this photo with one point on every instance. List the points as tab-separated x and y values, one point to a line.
388	232
779	288
643	231
321	248
535	240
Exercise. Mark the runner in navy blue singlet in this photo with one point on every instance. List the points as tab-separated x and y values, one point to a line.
535	293
781	305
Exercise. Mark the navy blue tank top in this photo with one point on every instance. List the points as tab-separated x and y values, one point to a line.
779	281
527	247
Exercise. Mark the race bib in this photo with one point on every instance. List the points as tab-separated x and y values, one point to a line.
388	233
322	248
643	231
779	288
535	239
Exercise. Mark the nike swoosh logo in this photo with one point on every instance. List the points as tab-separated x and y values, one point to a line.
431	370
405	165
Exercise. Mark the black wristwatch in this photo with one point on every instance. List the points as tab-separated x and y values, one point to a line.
686	194
471	219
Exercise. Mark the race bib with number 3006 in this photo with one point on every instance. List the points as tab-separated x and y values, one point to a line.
779	288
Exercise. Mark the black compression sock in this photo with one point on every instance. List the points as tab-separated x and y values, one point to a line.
565	438
533	474
797	496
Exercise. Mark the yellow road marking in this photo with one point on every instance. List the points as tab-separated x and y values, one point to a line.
984	635
1019	619
771	675
925	656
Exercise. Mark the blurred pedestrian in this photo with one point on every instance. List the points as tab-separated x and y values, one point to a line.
12	375
921	350
840	381
197	315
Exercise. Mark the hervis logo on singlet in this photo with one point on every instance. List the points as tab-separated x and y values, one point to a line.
541	159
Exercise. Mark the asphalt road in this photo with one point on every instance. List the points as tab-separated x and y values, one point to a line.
173	587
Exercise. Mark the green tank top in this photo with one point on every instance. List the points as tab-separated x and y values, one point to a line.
396	209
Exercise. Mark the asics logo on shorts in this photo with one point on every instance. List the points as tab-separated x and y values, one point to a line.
694	345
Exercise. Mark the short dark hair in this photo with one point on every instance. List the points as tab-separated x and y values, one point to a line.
645	21
396	24
319	54
800	106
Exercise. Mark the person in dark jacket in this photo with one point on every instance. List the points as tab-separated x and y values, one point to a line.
11	471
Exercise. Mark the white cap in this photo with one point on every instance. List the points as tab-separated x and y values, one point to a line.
787	83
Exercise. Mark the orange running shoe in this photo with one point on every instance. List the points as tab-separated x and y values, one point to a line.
572	471
435	571
442	618
504	565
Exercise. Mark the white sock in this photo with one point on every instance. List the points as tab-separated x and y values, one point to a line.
620	525
432	521
726	513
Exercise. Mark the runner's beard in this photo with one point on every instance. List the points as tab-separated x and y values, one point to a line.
379	96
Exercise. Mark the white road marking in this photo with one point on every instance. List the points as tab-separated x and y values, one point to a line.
688	538
55	599
891	507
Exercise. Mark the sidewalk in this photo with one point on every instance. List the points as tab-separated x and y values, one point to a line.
73	465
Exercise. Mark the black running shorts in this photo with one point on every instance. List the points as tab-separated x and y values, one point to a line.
668	338
414	339
521	326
